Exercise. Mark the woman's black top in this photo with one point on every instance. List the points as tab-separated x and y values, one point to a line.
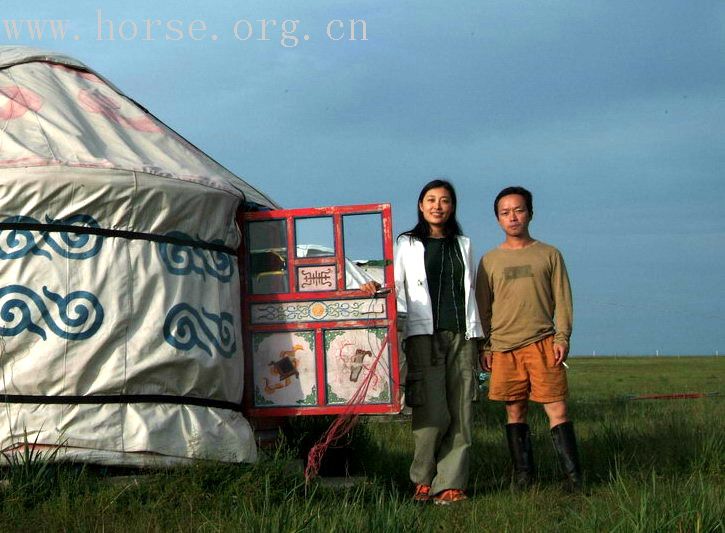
444	269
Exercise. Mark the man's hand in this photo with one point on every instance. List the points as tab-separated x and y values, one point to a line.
561	352
485	357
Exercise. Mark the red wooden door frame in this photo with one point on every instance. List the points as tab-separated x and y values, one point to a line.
341	293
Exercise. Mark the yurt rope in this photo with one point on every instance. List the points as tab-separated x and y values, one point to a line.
100	399
123	234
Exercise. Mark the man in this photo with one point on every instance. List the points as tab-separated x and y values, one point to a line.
525	304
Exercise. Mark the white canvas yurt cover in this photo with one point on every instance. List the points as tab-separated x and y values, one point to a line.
120	333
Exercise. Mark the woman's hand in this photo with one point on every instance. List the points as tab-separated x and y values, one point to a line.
370	288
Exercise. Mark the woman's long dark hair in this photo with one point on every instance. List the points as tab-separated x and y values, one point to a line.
422	230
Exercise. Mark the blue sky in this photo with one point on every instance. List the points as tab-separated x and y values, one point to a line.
612	113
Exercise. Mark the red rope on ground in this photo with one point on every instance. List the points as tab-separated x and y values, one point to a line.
344	422
674	396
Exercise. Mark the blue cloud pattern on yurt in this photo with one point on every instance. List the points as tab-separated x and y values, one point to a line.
183	260
16	243
22	308
185	328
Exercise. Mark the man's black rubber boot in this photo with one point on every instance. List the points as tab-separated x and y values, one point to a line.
522	455
565	446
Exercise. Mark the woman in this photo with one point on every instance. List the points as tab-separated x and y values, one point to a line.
435	286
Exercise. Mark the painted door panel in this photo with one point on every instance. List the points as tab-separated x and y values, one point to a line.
315	344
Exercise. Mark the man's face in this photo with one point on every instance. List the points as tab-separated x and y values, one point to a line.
513	215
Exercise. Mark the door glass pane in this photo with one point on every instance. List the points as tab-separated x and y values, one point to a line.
268	257
363	237
315	237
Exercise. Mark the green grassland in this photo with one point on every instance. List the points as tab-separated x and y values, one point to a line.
651	465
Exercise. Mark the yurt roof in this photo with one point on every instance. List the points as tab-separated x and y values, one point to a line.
54	110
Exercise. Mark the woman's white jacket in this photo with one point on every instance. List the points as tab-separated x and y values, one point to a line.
411	286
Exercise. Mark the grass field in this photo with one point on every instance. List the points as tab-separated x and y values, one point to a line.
651	465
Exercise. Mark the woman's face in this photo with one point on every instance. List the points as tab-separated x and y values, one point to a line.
437	207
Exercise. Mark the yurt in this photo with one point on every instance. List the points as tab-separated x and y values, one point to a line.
120	337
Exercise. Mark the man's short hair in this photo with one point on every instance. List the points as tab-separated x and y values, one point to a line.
528	198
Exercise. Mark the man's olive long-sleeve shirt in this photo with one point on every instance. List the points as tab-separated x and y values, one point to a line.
523	296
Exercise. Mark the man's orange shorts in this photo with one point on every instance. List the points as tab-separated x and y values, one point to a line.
528	373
